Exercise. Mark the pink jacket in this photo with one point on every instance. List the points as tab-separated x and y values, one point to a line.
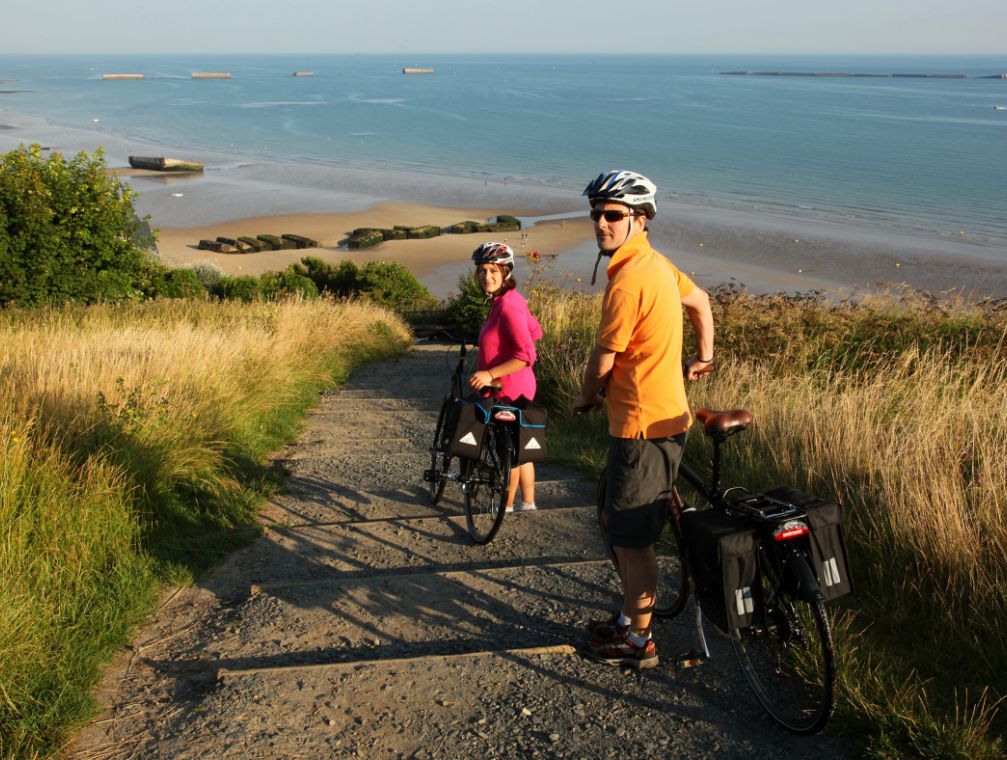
510	332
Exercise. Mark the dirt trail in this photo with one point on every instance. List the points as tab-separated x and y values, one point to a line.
364	623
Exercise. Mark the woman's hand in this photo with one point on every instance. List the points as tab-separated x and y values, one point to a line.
480	379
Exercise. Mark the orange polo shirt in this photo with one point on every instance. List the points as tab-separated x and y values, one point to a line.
642	322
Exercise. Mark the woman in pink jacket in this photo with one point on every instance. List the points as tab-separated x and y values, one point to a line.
507	349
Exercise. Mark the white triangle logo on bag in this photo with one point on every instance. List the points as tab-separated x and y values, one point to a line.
532	444
469	439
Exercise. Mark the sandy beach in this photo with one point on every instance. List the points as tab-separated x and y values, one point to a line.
177	246
752	248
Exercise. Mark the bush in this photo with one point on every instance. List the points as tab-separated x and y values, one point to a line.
68	231
389	283
469	308
208	273
175	283
274	285
244	288
340	280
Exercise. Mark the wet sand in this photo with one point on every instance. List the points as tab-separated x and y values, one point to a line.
759	249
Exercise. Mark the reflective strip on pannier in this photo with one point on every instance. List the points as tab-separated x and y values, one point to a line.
825	544
724	560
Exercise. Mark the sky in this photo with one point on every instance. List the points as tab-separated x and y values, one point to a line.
518	26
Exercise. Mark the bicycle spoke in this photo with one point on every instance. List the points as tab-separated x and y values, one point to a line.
486	489
789	661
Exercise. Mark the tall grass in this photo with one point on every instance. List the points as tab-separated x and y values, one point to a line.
895	405
131	442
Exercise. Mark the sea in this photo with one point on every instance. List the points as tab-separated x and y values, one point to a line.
910	151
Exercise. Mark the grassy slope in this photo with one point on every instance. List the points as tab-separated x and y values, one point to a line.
895	406
131	448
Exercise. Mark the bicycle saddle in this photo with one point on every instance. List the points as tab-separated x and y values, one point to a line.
721	424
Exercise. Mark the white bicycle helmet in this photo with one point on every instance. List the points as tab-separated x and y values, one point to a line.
493	253
621	186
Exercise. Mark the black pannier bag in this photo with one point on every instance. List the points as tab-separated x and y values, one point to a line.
532	420
469	417
825	544
723	557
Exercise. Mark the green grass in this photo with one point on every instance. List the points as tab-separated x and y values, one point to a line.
895	406
133	450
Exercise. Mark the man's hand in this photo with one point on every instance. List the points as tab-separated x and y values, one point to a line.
695	369
583	406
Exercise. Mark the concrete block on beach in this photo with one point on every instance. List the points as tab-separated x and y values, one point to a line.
237	245
300	241
278	243
255	244
164	164
423	231
215	245
365	239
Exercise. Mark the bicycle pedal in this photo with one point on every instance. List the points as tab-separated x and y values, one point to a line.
690	659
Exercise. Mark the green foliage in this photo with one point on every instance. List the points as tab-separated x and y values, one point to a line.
274	285
68	231
174	283
390	284
340	280
469	308
244	288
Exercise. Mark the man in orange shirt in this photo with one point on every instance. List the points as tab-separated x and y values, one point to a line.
637	359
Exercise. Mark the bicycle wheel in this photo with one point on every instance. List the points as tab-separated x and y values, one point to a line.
672	572
789	659
486	487
440	460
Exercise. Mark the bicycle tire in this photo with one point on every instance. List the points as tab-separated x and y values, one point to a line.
440	460
789	659
672	570
486	487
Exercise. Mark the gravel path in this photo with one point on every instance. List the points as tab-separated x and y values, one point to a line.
364	623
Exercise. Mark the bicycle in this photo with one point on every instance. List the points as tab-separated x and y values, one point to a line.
484	479
786	652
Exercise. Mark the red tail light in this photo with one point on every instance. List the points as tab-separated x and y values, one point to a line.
504	415
790	529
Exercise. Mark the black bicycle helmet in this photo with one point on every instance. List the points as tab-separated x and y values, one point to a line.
629	188
493	253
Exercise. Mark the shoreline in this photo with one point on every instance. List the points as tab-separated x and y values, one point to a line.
762	250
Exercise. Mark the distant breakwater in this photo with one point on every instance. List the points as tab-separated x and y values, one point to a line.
853	74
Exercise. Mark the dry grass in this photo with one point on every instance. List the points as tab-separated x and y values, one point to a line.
128	447
895	405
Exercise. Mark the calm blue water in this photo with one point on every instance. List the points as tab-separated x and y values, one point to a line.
905	154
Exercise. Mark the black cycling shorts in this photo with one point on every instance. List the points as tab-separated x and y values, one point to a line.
641	473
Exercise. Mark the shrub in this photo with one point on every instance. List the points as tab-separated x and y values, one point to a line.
389	283
175	283
244	288
207	273
274	285
68	231
469	308
340	280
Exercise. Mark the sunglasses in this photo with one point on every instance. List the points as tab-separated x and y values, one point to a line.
611	215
